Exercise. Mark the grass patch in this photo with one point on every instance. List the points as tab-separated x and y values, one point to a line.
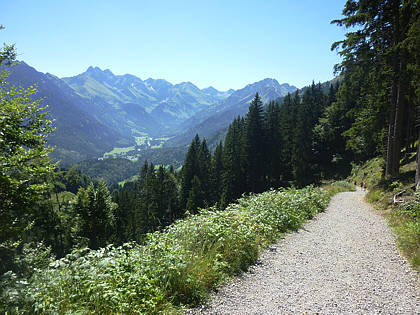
141	140
172	269
406	224
116	151
338	186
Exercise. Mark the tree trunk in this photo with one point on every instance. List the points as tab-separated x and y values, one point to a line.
418	160
395	123
418	146
390	144
399	122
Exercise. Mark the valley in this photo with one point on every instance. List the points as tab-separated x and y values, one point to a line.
99	115
143	143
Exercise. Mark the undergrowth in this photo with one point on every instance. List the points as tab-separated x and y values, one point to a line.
173	269
406	223
403	217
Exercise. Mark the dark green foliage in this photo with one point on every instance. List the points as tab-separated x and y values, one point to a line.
190	169
233	176
216	174
375	69
94	211
115	170
273	156
147	204
282	145
196	185
196	196
255	146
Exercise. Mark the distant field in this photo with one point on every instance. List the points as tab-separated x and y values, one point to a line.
117	151
131	179
141	140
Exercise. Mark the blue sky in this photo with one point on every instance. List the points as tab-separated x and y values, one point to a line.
225	44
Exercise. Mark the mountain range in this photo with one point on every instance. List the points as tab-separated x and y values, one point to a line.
78	135
97	110
135	107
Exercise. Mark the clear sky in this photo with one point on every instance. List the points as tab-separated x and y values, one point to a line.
225	44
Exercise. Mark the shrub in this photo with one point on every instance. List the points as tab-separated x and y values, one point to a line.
406	223
176	267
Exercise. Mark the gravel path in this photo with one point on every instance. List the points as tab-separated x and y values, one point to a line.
342	262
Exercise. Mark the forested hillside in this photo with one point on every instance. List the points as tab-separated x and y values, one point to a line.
78	134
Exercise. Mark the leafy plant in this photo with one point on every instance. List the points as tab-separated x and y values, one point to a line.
173	268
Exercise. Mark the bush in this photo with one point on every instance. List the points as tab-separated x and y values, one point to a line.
173	268
406	223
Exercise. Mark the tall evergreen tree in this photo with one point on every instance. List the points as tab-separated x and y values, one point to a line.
375	49
234	170
204	175
190	169
196	196
95	210
287	117
255	146
274	144
216	174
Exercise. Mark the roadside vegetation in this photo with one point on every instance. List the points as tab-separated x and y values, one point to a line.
398	200
171	269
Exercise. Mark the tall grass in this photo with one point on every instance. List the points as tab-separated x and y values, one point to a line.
406	223
174	268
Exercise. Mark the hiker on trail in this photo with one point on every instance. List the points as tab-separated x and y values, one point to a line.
355	183
364	186
361	185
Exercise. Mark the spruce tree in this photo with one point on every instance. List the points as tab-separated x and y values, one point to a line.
204	171
375	49
274	144
196	196
190	169
216	174
255	146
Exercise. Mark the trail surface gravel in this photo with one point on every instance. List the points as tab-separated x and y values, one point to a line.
344	261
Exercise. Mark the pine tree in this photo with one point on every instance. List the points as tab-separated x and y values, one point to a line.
204	175
234	163
216	174
190	169
95	210
196	196
255	146
274	144
302	142
375	49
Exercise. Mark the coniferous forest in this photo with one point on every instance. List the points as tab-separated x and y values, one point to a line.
317	134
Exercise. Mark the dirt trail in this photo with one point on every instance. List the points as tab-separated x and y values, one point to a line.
343	261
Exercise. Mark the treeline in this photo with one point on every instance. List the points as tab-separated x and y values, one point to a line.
115	170
276	145
273	146
379	101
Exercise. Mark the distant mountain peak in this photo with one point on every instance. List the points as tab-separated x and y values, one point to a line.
107	71
185	84
210	90
93	69
98	71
